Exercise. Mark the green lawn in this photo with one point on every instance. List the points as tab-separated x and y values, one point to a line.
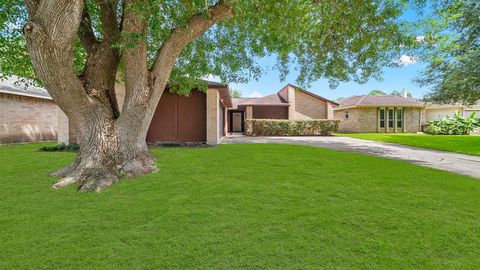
241	207
452	143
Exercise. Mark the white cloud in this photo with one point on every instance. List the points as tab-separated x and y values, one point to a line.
420	38
255	94
406	60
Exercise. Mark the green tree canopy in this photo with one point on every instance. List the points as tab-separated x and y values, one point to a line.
451	47
235	93
400	93
377	92
338	40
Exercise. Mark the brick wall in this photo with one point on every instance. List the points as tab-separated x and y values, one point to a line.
27	119
414	119
308	107
366	120
359	120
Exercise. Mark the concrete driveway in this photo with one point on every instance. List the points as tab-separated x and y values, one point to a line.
448	161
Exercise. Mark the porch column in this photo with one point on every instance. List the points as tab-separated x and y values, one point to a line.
212	116
291	101
249	112
66	130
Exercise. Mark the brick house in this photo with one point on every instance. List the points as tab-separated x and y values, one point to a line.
27	114
199	117
206	117
291	102
380	114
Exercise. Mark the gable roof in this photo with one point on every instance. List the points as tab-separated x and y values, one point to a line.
278	99
13	85
312	94
377	101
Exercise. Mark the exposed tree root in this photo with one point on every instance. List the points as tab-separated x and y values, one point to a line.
92	176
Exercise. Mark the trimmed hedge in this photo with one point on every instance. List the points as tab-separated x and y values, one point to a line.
274	127
61	148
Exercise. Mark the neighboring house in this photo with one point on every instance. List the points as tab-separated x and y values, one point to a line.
291	102
380	114
199	117
435	112
27	114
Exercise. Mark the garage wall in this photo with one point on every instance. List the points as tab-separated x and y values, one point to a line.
27	119
434	114
179	119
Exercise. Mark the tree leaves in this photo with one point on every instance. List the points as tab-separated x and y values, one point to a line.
338	40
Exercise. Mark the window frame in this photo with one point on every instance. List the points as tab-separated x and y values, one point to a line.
391	118
347	115
399	119
381	121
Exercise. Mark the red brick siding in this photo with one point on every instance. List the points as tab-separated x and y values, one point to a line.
179	119
270	112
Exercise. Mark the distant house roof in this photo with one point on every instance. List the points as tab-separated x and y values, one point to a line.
377	101
13	85
278	99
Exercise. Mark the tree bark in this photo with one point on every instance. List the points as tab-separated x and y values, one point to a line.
112	144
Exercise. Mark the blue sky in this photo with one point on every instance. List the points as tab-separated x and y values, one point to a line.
393	79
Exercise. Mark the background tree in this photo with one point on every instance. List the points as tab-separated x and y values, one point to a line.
377	92
400	93
77	49
235	93
451	46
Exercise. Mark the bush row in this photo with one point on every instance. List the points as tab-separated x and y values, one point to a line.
273	127
453	125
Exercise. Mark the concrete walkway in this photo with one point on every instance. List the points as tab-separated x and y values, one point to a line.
448	161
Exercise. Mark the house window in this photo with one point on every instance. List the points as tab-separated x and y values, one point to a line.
399	118
347	115
390	118
382	118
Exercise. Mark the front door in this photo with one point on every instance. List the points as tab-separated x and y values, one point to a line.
237	122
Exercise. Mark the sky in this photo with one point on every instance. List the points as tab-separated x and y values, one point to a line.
393	78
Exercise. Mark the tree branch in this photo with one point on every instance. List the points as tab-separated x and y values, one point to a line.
32	6
183	35
85	33
108	17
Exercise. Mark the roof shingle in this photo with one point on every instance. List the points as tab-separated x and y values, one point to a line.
372	101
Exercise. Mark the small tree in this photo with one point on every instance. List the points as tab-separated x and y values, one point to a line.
235	93
400	93
78	48
377	92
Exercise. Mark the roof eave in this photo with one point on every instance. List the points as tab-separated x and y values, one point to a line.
24	94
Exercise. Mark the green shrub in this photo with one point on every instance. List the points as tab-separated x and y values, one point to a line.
273	127
453	125
61	148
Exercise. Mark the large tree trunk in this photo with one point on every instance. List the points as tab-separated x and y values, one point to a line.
106	155
112	144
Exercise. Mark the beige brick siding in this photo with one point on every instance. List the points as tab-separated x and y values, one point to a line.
366	120
27	119
291	100
414	119
213	121
308	107
359	120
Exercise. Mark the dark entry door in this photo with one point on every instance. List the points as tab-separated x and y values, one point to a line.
237	123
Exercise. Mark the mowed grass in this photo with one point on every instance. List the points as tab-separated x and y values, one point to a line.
241	207
465	144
